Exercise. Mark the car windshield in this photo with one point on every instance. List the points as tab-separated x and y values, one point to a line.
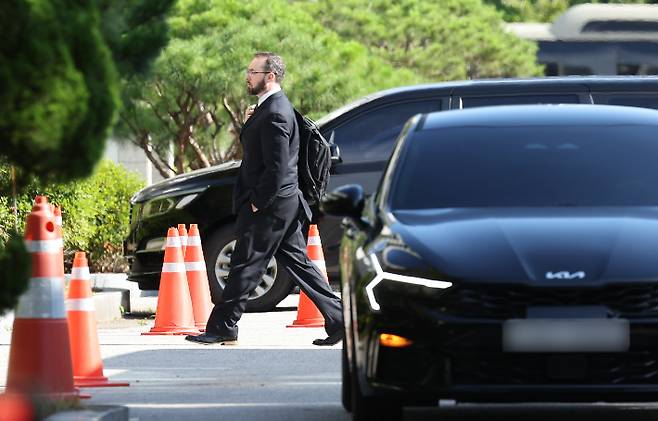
527	166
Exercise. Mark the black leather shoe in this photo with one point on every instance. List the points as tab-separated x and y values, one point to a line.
209	338
332	339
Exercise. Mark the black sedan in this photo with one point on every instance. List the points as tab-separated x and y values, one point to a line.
365	131
509	254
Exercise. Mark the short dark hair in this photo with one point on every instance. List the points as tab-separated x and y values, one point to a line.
274	64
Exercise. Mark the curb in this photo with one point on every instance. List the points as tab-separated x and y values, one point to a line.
132	300
93	413
113	295
108	306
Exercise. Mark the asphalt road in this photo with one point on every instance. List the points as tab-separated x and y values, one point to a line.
274	373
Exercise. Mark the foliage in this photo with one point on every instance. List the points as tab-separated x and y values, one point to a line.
95	212
545	10
59	91
441	40
112	186
135	31
58	87
192	102
15	262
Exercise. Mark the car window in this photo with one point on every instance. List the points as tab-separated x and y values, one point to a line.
629	100
483	101
615	165
371	135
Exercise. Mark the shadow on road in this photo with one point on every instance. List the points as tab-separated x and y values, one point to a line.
226	383
537	412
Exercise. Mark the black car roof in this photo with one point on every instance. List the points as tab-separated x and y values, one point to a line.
485	86
544	115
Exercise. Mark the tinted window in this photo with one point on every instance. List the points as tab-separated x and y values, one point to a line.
551	69
528	166
370	136
630	100
471	102
576	70
628	69
620	26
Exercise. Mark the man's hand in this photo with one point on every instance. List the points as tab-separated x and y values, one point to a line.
254	209
249	111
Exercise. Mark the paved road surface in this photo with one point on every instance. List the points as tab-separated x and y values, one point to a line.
273	374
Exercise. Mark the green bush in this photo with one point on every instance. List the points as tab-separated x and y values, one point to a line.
95	212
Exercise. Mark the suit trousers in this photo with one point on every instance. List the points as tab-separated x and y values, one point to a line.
275	231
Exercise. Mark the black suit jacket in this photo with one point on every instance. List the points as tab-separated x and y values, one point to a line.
270	145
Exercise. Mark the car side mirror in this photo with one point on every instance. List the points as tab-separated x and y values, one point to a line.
346	201
335	151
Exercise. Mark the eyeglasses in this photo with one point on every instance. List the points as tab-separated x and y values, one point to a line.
253	72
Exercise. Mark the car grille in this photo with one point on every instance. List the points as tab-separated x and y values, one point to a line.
511	301
135	210
528	369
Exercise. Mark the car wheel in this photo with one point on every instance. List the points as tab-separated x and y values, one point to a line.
365	408
274	286
346	389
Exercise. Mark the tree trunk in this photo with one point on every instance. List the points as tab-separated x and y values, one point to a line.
164	170
199	153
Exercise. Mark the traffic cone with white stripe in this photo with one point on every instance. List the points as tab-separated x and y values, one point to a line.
182	234
57	213
308	314
173	315
40	357
85	348
197	278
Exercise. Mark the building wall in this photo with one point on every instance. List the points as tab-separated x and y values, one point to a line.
132	158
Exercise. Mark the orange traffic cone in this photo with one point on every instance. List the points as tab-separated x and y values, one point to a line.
40	357
182	234
16	407
173	315
85	349
57	211
308	314
197	278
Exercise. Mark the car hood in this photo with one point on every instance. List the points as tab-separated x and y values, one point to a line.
190	182
554	247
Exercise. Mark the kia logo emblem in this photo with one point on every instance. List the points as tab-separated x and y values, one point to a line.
565	275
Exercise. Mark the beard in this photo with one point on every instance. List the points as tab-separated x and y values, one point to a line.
256	89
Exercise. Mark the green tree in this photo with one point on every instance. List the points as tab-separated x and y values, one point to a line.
190	106
135	31
440	40
95	212
59	93
546	10
58	87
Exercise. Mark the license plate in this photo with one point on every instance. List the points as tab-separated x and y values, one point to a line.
566	335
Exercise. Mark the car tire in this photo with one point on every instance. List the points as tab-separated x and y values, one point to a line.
365	408
275	284
346	388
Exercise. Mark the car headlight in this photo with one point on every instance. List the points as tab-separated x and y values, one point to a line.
161	205
156	244
381	275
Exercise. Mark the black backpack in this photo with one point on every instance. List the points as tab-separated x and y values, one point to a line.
314	160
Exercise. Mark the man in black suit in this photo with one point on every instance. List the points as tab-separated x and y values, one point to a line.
271	210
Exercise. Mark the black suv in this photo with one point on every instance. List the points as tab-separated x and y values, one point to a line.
365	132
